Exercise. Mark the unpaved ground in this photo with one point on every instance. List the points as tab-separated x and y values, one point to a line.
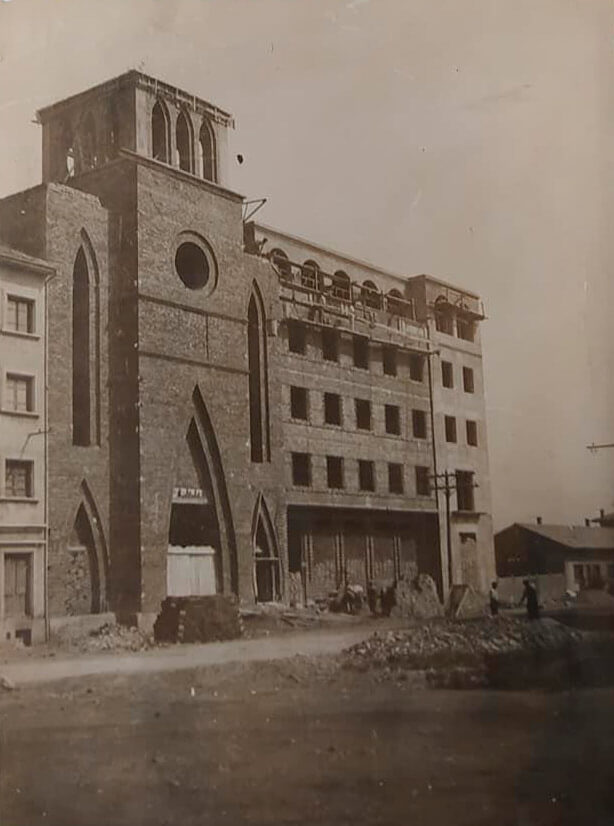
301	741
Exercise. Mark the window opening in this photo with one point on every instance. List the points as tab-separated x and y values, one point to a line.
183	134
301	469
389	360
206	149
18	479
392	416
298	403
330	344
450	428
363	414
361	352
19	393
416	367
159	132
334	472
447	374
395	478
332	408
465	329
366	475
297	337
472	433
19	314
418	419
468	385
464	490
423	482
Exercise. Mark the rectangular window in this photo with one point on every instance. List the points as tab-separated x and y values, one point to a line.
444	322
17	585
298	403
395	478
389	360
361	352
450	425
297	337
416	367
464	490
468	385
465	329
19	394
392	415
334	472
363	414
19	314
467	537
332	408
301	469
423	483
366	475
330	345
18	479
610	571
418	421
447	374
472	433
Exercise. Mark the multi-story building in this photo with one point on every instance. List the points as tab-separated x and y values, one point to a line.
23	445
233	409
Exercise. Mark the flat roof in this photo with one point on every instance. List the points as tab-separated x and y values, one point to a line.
21	259
135	78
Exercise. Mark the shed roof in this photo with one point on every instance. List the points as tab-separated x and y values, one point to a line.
572	536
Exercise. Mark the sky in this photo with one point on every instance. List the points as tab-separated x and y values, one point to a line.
468	139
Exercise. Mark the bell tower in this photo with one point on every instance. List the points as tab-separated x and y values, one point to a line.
134	113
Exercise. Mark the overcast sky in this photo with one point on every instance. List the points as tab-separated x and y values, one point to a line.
469	139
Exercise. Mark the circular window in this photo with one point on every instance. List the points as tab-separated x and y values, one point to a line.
192	265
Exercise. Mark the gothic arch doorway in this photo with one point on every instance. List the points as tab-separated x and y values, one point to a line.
267	569
86	581
201	549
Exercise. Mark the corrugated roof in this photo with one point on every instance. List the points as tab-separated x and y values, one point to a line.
572	536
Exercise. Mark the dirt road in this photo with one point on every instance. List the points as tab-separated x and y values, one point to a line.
299	742
179	657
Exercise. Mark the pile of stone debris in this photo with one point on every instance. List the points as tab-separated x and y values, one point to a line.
449	643
113	637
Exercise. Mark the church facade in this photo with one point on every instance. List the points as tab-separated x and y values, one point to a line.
232	409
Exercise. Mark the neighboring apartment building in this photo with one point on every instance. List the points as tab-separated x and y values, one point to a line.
23	445
232	409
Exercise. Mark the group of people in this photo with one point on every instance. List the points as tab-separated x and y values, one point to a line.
529	596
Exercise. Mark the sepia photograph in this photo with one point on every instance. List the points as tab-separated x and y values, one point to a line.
306	412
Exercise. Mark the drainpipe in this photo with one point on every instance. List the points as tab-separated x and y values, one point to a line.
46	455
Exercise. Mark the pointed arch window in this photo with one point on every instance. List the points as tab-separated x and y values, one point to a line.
258	380
85	349
206	152
183	134
159	132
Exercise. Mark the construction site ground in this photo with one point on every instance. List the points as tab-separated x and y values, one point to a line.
290	730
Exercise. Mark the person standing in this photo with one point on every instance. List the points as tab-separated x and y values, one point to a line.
494	600
530	596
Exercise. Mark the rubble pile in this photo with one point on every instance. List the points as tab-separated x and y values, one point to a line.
448	643
114	637
417	598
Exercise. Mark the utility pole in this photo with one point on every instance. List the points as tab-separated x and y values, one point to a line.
449	480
